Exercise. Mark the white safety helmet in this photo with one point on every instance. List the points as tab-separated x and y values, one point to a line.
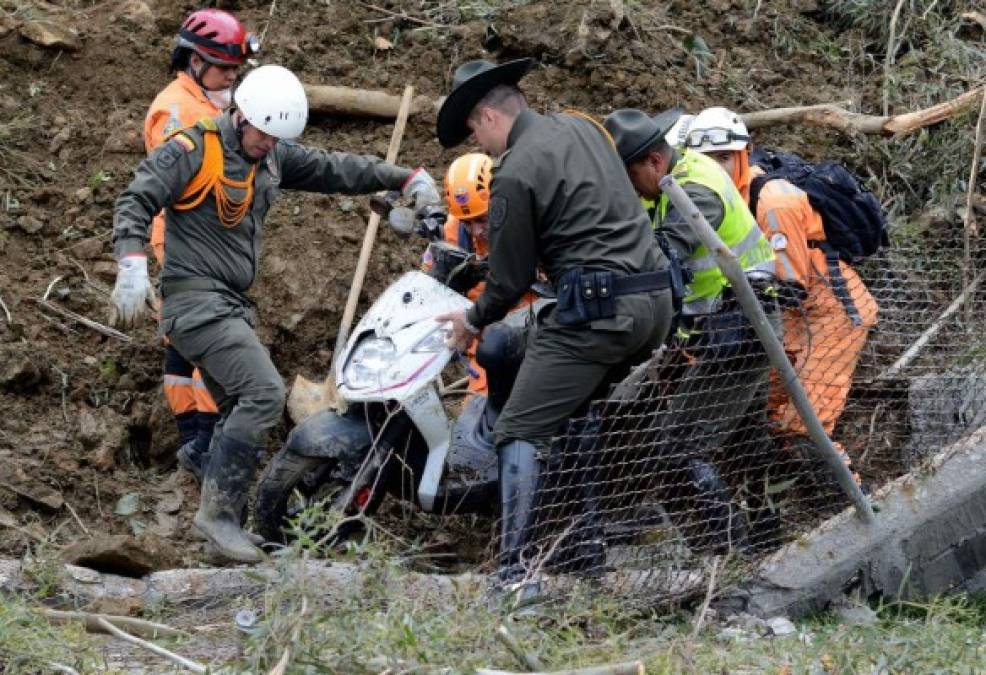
717	130
676	134
272	99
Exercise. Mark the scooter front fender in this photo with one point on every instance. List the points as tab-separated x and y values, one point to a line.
329	435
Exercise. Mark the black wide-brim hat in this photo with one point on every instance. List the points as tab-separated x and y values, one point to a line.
471	82
634	131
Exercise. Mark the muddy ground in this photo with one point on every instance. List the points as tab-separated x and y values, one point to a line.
82	418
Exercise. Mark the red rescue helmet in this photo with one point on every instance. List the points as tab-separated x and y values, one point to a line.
218	37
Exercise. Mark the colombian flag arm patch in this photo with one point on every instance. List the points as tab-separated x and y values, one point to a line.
184	142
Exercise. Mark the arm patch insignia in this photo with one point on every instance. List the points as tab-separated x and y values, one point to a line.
184	142
497	210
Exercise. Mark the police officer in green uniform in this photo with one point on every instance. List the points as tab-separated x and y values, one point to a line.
216	182
560	199
723	389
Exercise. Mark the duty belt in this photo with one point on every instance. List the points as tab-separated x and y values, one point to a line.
175	286
641	283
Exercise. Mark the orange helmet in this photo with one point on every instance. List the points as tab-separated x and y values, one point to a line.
467	186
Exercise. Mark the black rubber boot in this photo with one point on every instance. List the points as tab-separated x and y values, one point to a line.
193	456
719	519
519	473
205	426
224	495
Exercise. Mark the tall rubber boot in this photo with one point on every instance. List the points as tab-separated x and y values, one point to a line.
193	456
224	495
519	473
718	518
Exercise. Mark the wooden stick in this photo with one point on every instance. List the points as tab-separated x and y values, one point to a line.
832	115
709	592
371	230
888	61
402	15
971	227
932	330
6	312
85	530
151	647
625	668
78	318
91	621
529	661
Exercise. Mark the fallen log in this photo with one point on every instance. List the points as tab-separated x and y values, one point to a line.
355	102
833	116
350	101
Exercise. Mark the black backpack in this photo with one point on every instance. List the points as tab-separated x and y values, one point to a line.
855	225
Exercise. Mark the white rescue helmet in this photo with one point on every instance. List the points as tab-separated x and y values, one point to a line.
717	130
676	134
272	99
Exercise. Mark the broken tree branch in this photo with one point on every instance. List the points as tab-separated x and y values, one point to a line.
626	668
78	318
709	594
403	16
91	621
151	647
82	526
971	227
888	61
832	115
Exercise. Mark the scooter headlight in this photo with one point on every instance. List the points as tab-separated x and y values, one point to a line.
367	363
434	342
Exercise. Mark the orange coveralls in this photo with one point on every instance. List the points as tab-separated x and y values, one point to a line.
179	105
821	340
481	248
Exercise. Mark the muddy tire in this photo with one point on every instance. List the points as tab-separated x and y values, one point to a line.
285	473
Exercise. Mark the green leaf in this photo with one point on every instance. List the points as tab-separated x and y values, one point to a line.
780	487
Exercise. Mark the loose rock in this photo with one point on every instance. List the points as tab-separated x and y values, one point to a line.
103	432
124	555
780	626
20	373
50	35
30	224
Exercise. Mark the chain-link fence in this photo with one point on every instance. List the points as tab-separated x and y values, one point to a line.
699	459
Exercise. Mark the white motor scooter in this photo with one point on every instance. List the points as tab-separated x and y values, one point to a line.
396	435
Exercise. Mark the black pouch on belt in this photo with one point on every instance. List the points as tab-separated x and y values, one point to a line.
584	297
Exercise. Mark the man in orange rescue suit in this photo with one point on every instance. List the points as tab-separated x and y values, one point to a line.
210	48
217	182
823	334
467	192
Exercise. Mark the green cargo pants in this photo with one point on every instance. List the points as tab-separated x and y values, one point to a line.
565	366
236	368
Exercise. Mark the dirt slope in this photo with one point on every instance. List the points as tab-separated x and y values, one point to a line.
82	419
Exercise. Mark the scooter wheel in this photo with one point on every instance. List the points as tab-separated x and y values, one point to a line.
289	477
285	473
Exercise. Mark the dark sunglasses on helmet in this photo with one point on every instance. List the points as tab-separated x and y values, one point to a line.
714	136
249	47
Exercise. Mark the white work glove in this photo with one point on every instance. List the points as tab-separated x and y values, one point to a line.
133	292
421	186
